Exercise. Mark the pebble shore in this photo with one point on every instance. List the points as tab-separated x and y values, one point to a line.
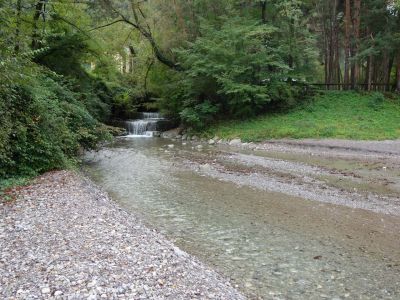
63	238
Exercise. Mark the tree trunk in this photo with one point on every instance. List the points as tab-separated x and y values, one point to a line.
264	11
335	44
355	69
151	63
347	50
369	73
331	48
39	9
132	55
326	58
325	46
398	74
384	68
124	62
17	46
389	72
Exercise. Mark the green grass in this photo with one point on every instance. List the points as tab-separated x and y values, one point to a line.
9	183
341	115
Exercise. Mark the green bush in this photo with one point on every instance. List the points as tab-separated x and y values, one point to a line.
376	101
235	69
200	114
42	123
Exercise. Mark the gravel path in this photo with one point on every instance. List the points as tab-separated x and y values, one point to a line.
64	239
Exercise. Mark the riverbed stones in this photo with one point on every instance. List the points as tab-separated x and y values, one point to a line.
251	146
235	142
211	142
168	135
63	238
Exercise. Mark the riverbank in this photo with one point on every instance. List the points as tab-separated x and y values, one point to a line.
62	237
339	115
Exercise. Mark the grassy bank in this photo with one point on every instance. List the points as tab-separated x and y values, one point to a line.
342	115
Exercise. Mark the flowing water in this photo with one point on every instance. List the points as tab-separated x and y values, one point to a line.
271	245
147	125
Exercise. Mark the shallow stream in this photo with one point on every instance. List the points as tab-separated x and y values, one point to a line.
271	245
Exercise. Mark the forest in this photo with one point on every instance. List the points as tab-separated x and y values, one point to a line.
67	68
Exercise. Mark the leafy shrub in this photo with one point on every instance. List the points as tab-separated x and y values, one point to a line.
235	69
43	124
200	114
376	101
66	54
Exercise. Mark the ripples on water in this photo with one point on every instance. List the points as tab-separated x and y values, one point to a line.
271	245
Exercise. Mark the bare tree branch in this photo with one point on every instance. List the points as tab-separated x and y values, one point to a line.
145	32
106	25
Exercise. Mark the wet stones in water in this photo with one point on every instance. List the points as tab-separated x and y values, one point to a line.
235	142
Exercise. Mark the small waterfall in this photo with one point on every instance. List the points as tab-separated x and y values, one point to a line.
150	115
146	126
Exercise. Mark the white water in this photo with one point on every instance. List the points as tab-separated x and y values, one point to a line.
144	127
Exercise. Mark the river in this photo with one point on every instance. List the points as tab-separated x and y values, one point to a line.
270	243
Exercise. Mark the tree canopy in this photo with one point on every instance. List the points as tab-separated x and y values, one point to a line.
66	66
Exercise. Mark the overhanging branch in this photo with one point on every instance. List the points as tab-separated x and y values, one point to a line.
106	25
146	33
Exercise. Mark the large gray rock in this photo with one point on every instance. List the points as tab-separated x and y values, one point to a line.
168	135
235	142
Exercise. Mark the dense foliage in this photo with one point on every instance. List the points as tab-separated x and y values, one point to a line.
234	58
66	66
236	69
236	65
50	105
43	124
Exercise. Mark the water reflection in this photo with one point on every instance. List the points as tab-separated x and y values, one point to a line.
272	245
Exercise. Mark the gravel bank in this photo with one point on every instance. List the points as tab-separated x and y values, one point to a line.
356	174
378	147
64	239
